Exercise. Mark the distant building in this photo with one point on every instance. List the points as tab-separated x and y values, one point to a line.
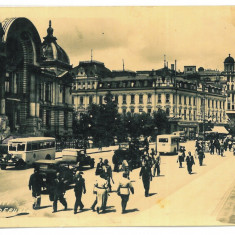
35	97
190	69
187	102
229	77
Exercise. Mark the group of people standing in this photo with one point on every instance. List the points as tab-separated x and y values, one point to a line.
218	146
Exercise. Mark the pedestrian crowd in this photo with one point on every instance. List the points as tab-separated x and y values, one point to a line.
150	168
102	186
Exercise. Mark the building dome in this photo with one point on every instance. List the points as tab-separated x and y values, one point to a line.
229	60
51	50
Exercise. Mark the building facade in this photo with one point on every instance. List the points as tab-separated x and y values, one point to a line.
188	103
35	81
229	80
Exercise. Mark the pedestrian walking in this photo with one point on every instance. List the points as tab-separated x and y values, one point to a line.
146	144
146	175
230	145
125	168
212	147
101	191
180	159
99	167
190	162
157	164
35	184
79	189
124	189
108	172
201	156
59	191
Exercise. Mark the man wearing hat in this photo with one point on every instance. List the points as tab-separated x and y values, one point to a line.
108	173
59	191
78	190
99	168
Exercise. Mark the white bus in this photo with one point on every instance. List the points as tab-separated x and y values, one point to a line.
27	150
167	144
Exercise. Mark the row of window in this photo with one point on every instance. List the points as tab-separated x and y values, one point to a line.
211	103
192	115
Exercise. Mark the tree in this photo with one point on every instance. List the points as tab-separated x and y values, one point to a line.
160	121
101	122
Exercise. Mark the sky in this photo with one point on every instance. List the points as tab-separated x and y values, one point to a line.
141	36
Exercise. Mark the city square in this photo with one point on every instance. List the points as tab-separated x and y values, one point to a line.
86	141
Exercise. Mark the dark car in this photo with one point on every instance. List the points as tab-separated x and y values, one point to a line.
48	170
6	159
131	152
78	157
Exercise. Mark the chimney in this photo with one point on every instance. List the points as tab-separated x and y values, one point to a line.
172	67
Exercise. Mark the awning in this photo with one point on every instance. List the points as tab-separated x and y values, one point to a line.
220	130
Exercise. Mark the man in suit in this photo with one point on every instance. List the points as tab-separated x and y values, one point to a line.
146	175
79	188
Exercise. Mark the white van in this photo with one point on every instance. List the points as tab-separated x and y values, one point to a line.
167	144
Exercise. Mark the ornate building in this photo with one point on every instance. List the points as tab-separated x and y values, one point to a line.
189	103
35	81
229	77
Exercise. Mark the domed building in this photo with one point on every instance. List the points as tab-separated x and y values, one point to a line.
229	64
35	97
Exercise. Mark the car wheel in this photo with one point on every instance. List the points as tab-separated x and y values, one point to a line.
3	167
20	164
48	157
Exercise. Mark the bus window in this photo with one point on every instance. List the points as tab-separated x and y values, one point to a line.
21	147
12	147
163	140
52	144
48	145
35	146
29	146
41	145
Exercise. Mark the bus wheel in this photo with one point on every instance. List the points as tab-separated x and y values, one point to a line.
3	167
48	157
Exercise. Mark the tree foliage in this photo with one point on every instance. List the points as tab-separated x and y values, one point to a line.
104	124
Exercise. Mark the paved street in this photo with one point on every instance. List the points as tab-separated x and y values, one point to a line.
177	198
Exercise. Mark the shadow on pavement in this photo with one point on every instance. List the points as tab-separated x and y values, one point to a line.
68	209
43	207
20	214
108	211
152	194
193	173
131	210
83	210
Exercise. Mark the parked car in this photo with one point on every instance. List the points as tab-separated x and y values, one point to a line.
48	170
78	157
